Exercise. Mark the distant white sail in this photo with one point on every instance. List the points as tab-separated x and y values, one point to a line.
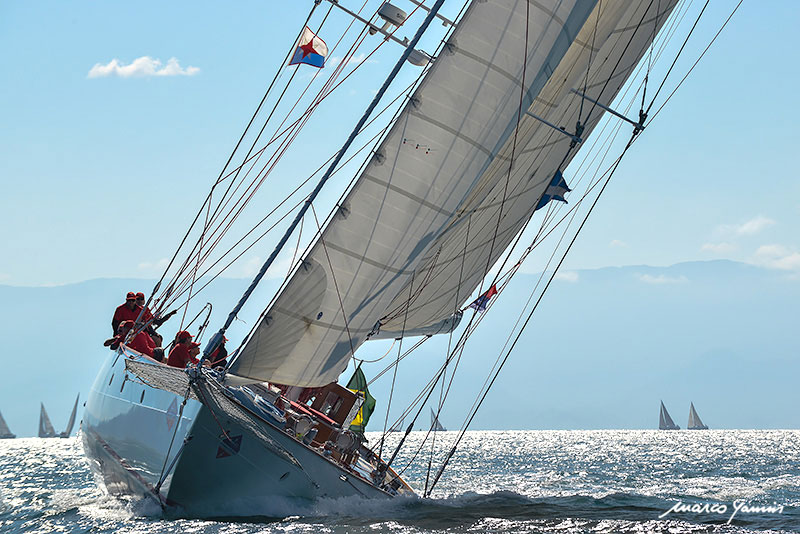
694	420
665	422
46	429
398	238
5	432
71	422
435	424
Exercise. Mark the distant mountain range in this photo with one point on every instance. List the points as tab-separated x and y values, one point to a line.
604	347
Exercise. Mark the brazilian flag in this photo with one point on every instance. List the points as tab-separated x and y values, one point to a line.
358	383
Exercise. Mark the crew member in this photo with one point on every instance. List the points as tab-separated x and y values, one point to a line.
147	316
219	358
125	312
181	353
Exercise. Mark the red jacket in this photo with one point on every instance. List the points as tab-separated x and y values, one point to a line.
123	313
179	356
143	343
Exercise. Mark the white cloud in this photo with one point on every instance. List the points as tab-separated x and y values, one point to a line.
618	243
719	248
661	279
141	67
157	266
747	228
567	276
777	257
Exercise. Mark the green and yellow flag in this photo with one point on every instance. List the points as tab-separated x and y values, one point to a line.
358	384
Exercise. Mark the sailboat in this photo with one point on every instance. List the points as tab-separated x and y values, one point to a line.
46	429
475	150
694	420
665	422
5	432
435	424
67	431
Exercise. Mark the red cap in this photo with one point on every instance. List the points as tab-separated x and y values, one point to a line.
130	296
140	295
195	344
183	334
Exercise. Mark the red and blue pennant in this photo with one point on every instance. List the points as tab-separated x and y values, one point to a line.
481	302
311	50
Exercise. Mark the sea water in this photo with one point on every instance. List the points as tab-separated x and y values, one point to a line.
512	481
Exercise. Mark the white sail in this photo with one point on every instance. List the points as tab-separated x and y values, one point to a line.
665	422
694	420
5	432
71	422
435	424
46	429
446	156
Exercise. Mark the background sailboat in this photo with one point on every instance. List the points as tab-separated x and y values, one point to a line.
5	433
435	424
665	422
46	429
67	431
694	420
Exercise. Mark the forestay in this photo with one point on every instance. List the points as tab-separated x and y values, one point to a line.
398	235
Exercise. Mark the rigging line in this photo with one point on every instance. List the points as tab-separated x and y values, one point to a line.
698	60
649	56
391	365
377	359
431	14
394	375
678	55
335	284
589	64
236	147
527	320
449	342
619	59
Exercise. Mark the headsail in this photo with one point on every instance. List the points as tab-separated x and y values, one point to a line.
67	431
694	420
399	235
665	422
46	429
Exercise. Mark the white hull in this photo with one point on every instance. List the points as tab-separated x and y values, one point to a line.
127	430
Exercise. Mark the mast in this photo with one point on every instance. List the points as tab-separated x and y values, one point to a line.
217	338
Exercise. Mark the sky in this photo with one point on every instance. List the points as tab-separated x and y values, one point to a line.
119	116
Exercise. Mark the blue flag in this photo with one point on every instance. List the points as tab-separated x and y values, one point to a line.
555	191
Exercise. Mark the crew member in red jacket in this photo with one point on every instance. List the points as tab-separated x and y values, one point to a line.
125	312
184	351
147	316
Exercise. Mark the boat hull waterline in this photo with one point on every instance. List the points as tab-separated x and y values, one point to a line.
130	437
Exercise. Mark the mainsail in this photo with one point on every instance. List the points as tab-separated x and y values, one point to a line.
438	193
5	432
665	422
46	429
694	420
71	422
